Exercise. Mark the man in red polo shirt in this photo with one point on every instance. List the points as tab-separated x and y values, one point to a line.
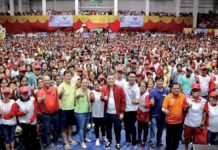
47	98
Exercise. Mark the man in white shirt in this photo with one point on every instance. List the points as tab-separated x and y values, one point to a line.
132	93
115	104
120	80
15	71
204	80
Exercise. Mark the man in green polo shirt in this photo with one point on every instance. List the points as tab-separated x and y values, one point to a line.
66	95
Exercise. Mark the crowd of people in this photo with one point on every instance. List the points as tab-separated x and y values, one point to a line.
208	20
143	82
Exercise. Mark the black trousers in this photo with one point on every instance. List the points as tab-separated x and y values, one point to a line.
173	135
113	119
129	123
142	126
99	123
29	136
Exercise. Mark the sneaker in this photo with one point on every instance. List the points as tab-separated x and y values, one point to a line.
71	141
105	139
97	143
118	147
67	146
160	145
83	145
142	144
135	147
108	145
152	147
87	140
128	144
89	126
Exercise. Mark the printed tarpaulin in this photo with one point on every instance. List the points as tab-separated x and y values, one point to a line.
60	21
131	21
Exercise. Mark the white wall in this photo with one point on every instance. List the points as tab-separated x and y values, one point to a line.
155	5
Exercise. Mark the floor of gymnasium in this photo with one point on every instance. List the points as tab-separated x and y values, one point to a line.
91	146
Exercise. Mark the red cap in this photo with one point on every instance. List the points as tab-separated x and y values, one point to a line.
151	67
6	57
214	94
22	69
80	70
214	64
156	56
146	63
26	53
101	77
23	89
149	72
37	67
7	90
139	74
133	62
119	70
196	86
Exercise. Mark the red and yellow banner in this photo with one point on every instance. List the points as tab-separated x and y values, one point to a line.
18	24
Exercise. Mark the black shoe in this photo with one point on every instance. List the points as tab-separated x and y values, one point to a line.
160	145
152	147
108	145
118	147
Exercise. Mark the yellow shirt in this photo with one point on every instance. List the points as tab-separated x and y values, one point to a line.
68	98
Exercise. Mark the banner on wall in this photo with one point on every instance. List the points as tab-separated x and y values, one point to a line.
60	21
96	2
201	31
131	21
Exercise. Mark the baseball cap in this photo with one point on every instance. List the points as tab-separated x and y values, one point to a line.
214	94
7	90
23	89
196	86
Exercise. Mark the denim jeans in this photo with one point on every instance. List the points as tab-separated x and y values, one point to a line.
50	126
156	130
212	138
82	120
9	133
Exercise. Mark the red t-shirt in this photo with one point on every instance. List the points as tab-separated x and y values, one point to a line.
50	104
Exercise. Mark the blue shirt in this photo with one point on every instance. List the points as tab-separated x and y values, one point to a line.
186	84
158	97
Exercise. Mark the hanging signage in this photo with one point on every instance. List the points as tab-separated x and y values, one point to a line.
131	21
96	2
60	21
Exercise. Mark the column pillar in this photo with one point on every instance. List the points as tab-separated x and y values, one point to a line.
20	6
115	7
3	5
147	7
178	3
76	7
55	5
43	7
195	13
11	4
